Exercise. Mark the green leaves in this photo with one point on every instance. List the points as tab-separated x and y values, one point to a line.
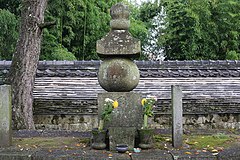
108	107
148	104
178	29
199	29
8	34
80	24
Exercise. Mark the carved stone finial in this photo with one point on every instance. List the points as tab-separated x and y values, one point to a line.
120	17
119	41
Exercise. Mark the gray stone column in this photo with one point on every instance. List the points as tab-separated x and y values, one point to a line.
177	126
5	116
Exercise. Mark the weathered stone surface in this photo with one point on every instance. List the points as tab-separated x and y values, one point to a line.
125	119
66	122
120	16
129	111
5	116
121	135
119	41
177	114
156	155
118	75
181	155
229	154
16	156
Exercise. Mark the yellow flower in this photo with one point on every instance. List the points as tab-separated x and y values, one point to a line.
144	100
115	104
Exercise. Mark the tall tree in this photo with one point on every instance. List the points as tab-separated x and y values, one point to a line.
25	60
226	15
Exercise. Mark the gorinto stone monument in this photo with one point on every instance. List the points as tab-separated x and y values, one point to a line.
119	75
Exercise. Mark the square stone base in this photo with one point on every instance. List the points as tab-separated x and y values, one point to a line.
129	112
125	119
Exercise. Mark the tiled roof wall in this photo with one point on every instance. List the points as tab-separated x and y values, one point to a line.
147	68
71	87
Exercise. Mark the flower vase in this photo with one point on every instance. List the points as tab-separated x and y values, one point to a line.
146	138
99	139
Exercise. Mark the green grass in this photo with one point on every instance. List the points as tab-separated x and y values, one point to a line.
197	141
209	141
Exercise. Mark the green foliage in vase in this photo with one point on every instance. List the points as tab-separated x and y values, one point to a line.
108	107
148	105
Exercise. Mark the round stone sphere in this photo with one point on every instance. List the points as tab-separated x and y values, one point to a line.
118	75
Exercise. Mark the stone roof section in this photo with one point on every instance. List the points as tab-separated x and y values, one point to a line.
203	68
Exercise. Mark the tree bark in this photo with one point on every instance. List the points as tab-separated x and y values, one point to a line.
24	63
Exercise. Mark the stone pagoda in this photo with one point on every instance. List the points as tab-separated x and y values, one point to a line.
119	75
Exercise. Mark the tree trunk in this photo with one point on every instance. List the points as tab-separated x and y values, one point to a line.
25	60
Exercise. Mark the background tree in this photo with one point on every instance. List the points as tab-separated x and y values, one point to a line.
226	15
138	28
80	24
200	29
8	34
183	29
25	60
152	15
12	6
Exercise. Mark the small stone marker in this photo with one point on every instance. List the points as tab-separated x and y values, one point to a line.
5	116
177	126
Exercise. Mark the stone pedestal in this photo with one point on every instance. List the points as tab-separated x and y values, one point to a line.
125	119
5	116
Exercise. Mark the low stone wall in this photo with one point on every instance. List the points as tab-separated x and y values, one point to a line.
190	122
200	121
66	122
